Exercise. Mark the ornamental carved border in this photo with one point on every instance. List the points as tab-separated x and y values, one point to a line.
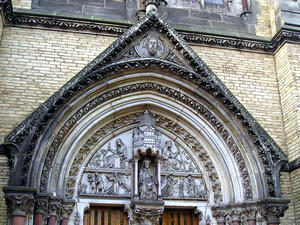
162	90
160	122
85	25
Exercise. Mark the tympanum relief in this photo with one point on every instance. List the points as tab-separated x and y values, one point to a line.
144	164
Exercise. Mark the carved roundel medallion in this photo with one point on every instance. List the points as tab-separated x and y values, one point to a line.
151	45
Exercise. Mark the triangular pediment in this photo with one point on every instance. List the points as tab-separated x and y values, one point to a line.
151	43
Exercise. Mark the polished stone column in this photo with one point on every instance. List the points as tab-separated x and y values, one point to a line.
158	160
135	174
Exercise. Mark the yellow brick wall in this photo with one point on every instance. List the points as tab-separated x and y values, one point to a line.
275	13
24	4
263	27
288	71
251	77
40	62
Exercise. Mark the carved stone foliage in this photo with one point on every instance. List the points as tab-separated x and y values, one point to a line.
19	204
145	212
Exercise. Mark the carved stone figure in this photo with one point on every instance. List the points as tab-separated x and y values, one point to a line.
171	157
147	181
115	181
191	186
110	158
152	45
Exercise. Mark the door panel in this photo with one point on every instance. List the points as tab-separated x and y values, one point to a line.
178	217
105	216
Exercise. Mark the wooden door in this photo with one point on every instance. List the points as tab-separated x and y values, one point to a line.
105	216
178	217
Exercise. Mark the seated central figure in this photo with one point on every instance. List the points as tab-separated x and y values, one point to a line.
147	181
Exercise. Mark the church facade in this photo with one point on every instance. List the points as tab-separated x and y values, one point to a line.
150	112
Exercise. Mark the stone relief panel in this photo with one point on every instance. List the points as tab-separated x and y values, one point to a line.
111	170
97	183
181	178
183	187
111	157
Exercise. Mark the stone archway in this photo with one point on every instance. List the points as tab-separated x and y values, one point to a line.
203	150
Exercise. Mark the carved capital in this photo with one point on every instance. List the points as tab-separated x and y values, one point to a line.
273	209
251	213
67	209
55	207
19	204
147	213
219	215
41	205
236	215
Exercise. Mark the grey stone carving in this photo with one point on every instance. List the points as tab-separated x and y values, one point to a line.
208	220
151	46
176	160
146	137
183	187
110	157
132	119
147	181
105	184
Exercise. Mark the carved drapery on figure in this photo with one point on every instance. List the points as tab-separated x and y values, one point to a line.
147	181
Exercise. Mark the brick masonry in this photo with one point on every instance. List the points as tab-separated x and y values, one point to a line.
288	72
41	61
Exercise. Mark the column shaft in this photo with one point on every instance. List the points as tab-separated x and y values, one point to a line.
38	220
18	220
52	220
